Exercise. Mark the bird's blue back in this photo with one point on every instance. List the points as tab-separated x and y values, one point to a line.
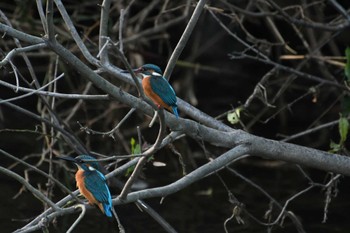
96	183
162	88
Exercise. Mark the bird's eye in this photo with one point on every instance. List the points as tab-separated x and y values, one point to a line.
79	160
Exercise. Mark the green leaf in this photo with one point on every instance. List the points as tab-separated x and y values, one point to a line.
335	148
135	147
234	116
343	129
347	66
130	170
132	143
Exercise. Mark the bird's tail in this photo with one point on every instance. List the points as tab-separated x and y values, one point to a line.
174	108
107	209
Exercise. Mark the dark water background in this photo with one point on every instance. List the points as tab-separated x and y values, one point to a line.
218	91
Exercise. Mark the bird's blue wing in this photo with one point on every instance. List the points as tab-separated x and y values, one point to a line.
95	182
162	88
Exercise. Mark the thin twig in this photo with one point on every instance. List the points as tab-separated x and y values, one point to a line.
33	92
184	38
75	34
70	139
39	5
145	207
121	23
55	94
310	24
154	118
294	219
34	168
14	68
111	132
241	41
103	34
81	215
341	9
130	70
33	190
161	27
17	51
282	213
120	226
293	71
147	154
49	21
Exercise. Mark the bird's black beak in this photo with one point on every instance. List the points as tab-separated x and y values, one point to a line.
67	158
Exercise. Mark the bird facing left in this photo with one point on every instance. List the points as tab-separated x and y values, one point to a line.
92	183
157	88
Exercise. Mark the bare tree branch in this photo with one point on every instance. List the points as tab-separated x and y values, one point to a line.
33	190
233	50
184	39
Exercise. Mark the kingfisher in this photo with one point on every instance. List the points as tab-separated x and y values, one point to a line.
92	183
157	88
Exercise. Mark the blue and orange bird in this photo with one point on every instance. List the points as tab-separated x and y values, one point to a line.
92	183
157	88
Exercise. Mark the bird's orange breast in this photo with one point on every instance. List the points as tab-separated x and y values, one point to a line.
79	177
146	85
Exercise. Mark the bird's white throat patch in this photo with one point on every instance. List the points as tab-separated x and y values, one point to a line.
156	74
91	168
